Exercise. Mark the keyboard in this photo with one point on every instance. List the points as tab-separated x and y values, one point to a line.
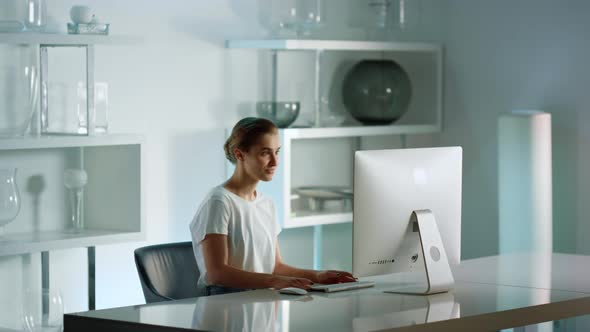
342	286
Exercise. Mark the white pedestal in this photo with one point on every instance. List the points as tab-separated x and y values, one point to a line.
524	182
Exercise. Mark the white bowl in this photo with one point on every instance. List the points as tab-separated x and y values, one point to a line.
81	14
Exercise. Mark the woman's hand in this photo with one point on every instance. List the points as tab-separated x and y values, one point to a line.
279	282
334	277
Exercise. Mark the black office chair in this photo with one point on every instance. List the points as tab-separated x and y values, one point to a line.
167	271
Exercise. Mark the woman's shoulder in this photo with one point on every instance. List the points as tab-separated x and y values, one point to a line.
216	198
218	193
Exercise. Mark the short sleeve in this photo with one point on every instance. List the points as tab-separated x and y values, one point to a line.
212	218
277	224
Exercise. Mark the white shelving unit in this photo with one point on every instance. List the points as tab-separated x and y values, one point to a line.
422	61
25	243
282	184
113	201
327	58
360	131
58	141
46	41
113	165
332	45
35	38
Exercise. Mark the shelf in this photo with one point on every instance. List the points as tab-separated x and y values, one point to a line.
318	219
3	329
23	243
63	39
334	132
323	155
63	141
332	45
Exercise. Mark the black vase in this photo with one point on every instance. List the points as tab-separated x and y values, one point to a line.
376	92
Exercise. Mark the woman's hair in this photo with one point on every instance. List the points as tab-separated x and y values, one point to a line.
245	134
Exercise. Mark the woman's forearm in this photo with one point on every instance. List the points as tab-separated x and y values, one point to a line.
228	276
286	270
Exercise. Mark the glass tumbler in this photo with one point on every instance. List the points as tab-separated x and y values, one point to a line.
36	12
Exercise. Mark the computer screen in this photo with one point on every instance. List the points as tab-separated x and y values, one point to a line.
388	186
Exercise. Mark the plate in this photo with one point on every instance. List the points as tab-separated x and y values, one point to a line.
324	192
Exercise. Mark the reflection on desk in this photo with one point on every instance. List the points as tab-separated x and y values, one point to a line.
420	310
256	313
268	311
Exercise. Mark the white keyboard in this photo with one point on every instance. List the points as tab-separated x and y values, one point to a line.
342	287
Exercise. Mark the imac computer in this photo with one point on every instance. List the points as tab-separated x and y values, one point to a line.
407	217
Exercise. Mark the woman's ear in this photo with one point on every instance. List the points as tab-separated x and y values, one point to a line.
239	154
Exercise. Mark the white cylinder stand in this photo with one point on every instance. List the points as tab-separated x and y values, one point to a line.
525	182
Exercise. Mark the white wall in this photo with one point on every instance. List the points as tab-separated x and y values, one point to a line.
504	55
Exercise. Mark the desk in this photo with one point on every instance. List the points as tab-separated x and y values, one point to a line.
486	297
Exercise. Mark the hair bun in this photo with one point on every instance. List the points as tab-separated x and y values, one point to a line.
245	134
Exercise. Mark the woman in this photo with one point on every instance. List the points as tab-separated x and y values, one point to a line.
235	230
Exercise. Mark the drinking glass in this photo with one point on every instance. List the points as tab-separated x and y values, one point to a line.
42	311
36	18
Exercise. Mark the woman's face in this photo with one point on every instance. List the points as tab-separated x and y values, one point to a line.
262	160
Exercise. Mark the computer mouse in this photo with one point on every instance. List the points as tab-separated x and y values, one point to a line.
293	291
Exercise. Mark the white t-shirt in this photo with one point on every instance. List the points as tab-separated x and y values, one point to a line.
251	228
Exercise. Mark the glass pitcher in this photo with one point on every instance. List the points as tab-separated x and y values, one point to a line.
9	197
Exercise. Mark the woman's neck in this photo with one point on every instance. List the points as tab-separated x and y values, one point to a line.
242	185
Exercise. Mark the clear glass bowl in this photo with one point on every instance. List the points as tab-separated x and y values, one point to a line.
282	113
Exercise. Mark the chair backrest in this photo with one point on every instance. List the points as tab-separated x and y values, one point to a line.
167	271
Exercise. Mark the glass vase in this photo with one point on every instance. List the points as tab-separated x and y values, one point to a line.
75	180
391	18
9	198
42	311
19	89
297	17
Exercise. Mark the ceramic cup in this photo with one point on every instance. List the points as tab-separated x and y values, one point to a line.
81	14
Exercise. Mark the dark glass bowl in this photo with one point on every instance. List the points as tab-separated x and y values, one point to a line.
376	92
282	113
